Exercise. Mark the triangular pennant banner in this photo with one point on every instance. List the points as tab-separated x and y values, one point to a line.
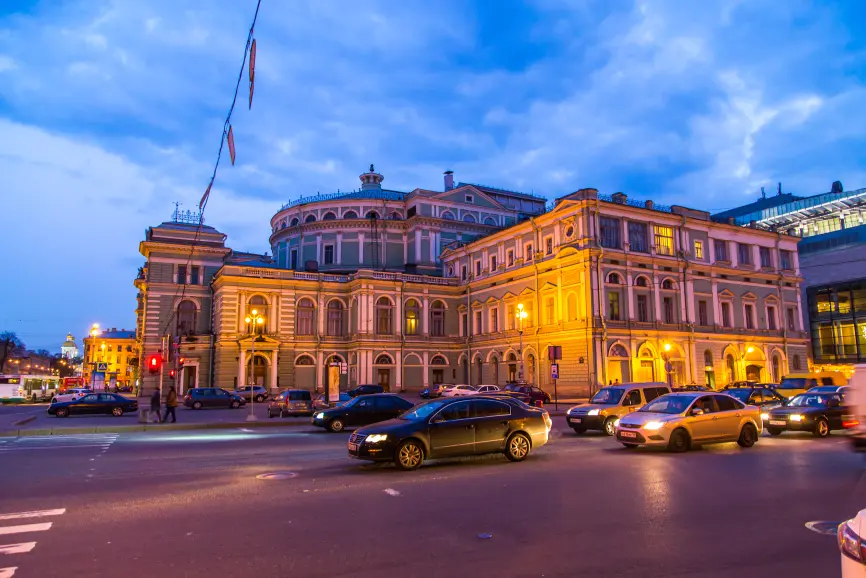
252	86
204	197
253	60
231	139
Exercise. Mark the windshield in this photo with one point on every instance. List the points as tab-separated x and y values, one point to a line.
741	394
352	401
824	389
804	400
793	383
423	411
671	403
608	395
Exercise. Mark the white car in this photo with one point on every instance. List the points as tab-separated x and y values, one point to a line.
486	389
850	538
71	394
459	390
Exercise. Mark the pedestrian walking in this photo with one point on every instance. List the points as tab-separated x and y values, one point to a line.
154	406
170	404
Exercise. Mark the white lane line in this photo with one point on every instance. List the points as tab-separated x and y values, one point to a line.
17	548
27	449
33	514
391	492
8	572
25	528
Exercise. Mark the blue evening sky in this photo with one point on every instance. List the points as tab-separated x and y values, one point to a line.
112	110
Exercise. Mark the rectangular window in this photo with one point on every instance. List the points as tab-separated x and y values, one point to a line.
744	254
510	316
478	268
771	318
637	237
492	263
664	240
765	258
437	322
464	324
528	251
463	273
749	311
294	261
699	250
668	304
549	311
194	275
609	234
548	246
726	314
613	306
703	318
786	261
181	274
721	249
494	320
643	308
510	257
329	254
478	327
792	316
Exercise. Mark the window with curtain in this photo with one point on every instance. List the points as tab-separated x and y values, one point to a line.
413	313
609	232
437	319
186	315
721	249
306	317
664	240
335	318
637	237
384	316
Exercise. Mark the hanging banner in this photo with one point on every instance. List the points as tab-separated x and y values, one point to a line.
204	197
253	61
252	85
231	139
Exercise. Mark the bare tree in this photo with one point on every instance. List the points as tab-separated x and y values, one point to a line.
9	345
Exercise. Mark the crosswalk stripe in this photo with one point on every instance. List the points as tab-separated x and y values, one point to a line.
33	514
26	528
17	548
8	572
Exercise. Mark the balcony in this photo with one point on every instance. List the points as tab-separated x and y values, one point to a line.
288	275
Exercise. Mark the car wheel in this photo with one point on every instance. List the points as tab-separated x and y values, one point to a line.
336	425
62	412
260	398
235	404
409	455
609	428
196	405
517	447
629	446
679	441
748	436
822	428
117	411
774	431
579	430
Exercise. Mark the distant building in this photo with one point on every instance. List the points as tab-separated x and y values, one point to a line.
69	350
118	350
832	262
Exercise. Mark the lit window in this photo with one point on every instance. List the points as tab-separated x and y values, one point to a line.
699	249
412	315
664	240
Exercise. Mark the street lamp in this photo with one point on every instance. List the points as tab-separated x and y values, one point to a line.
521	315
94	331
666	347
252	320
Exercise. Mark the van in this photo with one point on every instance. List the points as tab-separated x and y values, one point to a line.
797	383
855	399
611	403
291	402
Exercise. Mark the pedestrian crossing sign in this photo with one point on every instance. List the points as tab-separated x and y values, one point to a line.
102	366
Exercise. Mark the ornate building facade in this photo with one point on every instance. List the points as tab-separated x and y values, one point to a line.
412	289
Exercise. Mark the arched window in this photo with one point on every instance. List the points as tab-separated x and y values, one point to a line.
305	321
305	360
668	284
708	360
329	216
729	368
335	318
490	221
283	225
395	216
467	218
384	316
438	360
186	314
437	319
450	270
447	215
641	281
777	377
571	306
257	306
384	359
795	363
373	215
413	314
294	222
614	279
350	215
310	219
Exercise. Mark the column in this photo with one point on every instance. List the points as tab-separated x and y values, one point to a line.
425	320
398	316
320	316
426	361
242	368
630	288
433	253
371	313
683	298
717	310
657	299
398	379
690	300
734	255
405	247
799	319
319	248
274	371
518	250
417	245
339	258
273	315
756	258
711	250
361	248
242	307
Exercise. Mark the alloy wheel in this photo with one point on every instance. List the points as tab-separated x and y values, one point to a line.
409	456
518	447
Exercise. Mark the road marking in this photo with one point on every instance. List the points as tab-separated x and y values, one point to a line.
17	548
33	514
25	528
8	572
391	492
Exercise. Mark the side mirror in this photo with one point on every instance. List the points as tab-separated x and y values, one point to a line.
697	411
833	403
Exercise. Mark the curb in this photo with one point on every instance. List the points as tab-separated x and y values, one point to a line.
147	428
26	420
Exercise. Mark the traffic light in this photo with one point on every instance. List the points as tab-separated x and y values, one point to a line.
181	360
171	373
154	362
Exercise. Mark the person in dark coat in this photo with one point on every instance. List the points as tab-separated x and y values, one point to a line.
170	405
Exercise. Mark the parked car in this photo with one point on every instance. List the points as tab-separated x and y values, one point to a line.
484	389
611	403
840	389
692	387
737	384
367	389
71	394
249	392
291	402
679	421
200	397
818	413
458	390
445	428
433	391
321	403
535	394
94	403
362	410
851	539
762	397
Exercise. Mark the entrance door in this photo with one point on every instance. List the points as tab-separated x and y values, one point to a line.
257	371
385	379
753	373
189	379
438	376
646	371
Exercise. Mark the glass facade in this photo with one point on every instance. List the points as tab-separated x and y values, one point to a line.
837	316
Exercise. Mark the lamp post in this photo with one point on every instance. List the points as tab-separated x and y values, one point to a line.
521	315
94	331
668	368
252	320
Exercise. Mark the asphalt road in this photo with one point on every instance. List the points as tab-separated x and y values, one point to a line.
189	504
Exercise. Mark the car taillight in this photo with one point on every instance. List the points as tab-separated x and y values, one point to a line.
849	421
849	543
547	421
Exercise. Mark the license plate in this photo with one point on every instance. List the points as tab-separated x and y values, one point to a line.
777	422
574	420
627	434
353	447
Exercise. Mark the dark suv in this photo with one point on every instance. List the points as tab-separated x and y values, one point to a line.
200	397
528	393
366	389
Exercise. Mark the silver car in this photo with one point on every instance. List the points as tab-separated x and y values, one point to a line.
249	392
678	421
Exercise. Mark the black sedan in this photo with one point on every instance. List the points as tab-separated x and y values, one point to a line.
94	403
453	427
818	413
361	410
763	397
366	389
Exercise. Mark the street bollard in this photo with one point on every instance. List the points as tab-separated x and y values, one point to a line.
143	414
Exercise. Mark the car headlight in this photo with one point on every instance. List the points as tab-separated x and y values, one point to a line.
376	438
765	416
593	412
616	423
320	415
653	425
796	417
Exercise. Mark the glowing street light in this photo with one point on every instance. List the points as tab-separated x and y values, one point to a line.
252	320
521	315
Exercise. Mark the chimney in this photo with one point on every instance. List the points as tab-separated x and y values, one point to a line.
449	180
619	198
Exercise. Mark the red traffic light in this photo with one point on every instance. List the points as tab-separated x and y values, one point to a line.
181	360
154	362
171	373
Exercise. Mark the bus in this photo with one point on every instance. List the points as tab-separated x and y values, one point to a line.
28	387
71	382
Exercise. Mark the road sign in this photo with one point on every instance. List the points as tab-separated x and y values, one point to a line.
554	371
344	368
102	366
554	352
